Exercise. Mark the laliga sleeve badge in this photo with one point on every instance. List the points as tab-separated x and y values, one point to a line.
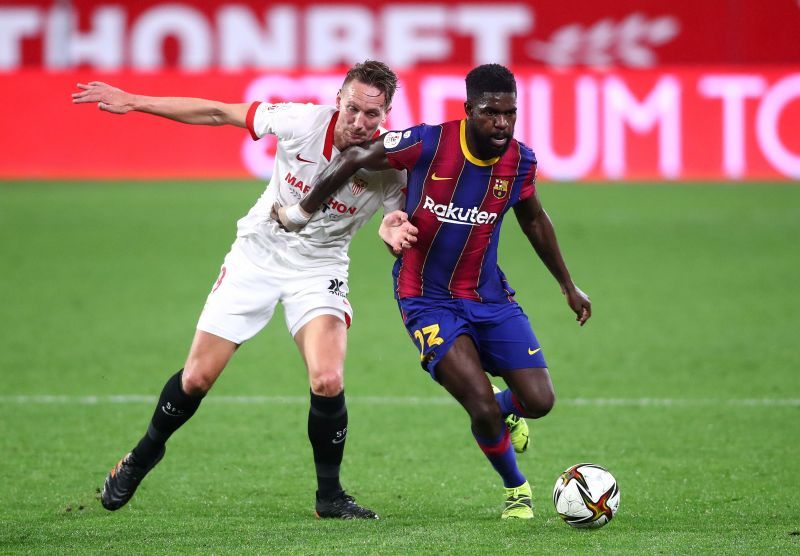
392	139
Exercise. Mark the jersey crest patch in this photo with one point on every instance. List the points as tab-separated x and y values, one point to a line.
500	187
358	186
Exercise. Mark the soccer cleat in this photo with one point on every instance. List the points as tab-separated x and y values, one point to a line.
518	429
518	503
342	506
123	480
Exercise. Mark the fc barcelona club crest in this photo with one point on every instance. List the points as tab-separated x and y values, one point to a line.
358	186
500	187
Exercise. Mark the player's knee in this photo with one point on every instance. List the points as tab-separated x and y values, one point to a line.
541	404
485	415
327	382
196	383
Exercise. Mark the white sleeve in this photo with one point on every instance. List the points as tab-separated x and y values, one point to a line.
285	120
394	191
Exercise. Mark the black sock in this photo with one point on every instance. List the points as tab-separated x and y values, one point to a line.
174	408
327	431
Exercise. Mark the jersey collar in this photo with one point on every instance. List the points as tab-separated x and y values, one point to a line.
468	155
327	149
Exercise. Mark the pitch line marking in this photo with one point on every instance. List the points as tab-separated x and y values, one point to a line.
39	399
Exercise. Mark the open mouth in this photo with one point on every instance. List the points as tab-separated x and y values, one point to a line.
499	141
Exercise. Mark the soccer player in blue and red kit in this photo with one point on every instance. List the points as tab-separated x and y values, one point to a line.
458	307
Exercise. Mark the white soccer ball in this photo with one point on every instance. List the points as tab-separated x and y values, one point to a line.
586	495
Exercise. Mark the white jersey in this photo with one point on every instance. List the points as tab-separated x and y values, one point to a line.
305	148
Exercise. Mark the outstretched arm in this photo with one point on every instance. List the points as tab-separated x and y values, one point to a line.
369	156
538	227
186	110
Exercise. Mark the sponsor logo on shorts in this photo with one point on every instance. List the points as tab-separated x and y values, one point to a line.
533	351
452	214
336	287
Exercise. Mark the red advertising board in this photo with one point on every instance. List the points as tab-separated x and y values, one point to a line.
675	124
204	35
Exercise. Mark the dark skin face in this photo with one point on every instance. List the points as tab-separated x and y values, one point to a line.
490	123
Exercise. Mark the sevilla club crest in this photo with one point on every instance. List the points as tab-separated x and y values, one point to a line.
358	186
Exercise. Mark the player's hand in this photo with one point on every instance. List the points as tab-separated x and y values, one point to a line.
291	218
397	232
108	98
579	303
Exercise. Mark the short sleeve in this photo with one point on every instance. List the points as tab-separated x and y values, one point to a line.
529	185
528	161
284	120
403	148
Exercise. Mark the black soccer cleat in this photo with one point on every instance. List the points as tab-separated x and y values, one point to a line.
123	480
342	506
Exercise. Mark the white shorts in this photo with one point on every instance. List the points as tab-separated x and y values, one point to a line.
243	299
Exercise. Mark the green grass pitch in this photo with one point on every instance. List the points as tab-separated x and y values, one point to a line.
684	383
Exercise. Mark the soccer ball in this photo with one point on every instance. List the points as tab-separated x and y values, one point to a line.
586	495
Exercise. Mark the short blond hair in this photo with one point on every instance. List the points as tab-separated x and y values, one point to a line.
375	74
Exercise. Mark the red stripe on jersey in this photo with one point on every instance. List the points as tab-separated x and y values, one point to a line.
404	159
467	272
444	165
249	120
327	149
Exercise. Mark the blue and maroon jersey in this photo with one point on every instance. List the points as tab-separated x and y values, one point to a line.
457	202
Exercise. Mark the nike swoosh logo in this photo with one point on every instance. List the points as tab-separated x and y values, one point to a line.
339	440
434	177
533	351
301	159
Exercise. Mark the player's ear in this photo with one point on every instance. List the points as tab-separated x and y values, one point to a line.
386	113
339	99
467	107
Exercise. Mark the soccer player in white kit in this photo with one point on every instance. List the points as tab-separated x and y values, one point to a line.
306	272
